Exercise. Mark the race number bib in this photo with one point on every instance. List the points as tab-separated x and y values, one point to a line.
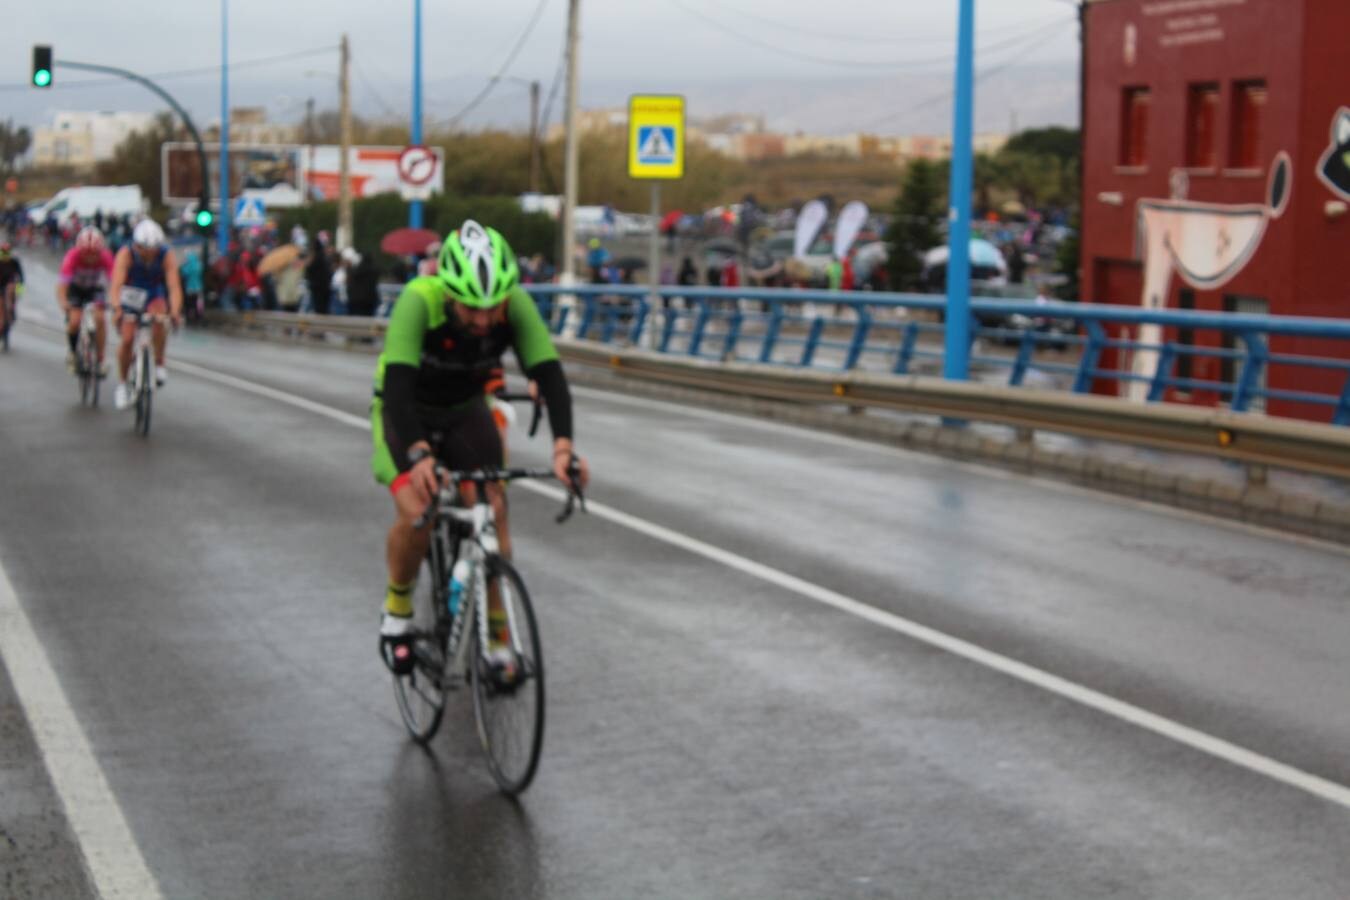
133	298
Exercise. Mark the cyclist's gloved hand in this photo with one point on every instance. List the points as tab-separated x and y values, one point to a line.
562	462
422	479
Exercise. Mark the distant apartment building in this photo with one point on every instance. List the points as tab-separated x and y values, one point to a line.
82	139
744	137
249	125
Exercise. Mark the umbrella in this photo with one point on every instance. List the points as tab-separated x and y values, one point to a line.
408	241
278	259
982	253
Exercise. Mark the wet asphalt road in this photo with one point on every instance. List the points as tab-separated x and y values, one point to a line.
209	598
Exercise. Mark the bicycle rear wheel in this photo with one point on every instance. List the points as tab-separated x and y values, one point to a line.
509	710
421	692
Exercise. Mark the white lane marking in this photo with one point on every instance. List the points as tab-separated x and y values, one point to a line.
988	470
1126	712
272	394
114	862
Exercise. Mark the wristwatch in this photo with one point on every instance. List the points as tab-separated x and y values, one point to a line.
416	455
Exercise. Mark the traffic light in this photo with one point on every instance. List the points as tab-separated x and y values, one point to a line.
42	66
204	218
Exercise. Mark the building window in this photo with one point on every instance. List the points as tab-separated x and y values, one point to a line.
1249	107
1134	126
1202	113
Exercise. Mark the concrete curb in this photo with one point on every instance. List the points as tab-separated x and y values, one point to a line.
1256	504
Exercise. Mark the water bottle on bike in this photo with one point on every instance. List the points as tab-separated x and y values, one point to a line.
460	577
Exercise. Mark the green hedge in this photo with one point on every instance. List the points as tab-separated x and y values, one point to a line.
374	217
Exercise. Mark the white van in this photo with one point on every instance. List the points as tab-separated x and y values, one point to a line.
86	201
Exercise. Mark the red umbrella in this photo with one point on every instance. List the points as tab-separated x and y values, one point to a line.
408	241
671	219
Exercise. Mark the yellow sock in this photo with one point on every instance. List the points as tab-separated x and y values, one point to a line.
497	626
398	600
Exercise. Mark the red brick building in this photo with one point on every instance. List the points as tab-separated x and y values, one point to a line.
1217	168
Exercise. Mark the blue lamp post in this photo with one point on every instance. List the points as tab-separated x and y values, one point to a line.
415	207
956	359
223	220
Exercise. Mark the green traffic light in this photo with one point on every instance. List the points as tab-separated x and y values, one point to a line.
204	218
42	78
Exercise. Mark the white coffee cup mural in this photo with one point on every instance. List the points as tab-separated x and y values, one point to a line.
1206	244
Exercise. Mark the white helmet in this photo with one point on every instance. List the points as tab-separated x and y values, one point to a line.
147	234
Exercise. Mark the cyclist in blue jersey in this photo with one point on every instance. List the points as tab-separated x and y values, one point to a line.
149	267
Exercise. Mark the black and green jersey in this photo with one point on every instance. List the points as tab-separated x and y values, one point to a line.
452	363
432	364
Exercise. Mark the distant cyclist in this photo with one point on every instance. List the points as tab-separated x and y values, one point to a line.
11	285
445	339
80	289
147	265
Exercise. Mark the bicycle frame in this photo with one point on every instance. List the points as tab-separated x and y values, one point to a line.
472	531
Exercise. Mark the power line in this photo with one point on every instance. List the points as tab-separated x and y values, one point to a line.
184	73
829	60
817	34
1028	40
510	58
370	88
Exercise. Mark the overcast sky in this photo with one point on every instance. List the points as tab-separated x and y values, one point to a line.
627	46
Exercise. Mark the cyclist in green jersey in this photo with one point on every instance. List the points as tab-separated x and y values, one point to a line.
445	338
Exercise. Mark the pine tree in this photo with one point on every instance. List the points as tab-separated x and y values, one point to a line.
916	227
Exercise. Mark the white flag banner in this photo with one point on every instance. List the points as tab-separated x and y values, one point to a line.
851	221
809	222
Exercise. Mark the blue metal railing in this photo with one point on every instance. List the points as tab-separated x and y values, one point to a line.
880	332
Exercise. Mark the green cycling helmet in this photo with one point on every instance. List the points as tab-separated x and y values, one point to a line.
477	266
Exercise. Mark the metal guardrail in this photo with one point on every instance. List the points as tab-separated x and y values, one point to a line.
1240	437
882	333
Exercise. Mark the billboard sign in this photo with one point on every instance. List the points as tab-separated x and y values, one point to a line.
285	175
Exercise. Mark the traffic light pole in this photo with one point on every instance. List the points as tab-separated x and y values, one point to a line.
205	199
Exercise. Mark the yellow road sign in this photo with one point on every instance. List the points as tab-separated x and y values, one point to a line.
656	136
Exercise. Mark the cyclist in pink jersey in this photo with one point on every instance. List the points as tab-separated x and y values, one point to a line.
84	277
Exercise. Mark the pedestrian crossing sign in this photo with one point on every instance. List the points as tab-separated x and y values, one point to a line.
656	136
250	211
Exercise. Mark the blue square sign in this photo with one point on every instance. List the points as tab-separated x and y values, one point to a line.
656	145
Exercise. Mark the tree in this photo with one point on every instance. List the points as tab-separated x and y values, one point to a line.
137	159
1062	143
915	228
14	142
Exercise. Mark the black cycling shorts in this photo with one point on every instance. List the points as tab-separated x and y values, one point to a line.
462	438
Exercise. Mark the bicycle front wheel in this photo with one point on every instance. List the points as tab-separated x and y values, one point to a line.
508	702
421	692
144	393
87	362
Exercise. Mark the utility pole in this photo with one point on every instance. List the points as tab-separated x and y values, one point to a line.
344	224
570	166
534	137
309	121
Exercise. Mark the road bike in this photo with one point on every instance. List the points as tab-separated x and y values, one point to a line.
141	378
450	640
86	356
